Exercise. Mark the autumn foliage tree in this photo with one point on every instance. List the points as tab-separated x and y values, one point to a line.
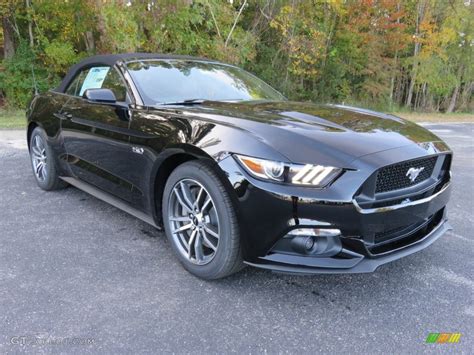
385	54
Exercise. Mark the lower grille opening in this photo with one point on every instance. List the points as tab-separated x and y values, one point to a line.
400	240
396	232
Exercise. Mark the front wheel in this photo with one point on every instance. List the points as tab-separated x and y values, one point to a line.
200	221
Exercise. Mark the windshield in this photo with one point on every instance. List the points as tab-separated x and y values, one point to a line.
170	81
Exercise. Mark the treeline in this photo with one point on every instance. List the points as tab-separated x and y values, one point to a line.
385	54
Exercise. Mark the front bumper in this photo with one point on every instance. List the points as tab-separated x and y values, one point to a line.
359	263
268	212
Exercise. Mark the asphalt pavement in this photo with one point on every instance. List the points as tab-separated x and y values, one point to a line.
79	276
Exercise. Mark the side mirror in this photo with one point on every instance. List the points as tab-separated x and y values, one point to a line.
100	95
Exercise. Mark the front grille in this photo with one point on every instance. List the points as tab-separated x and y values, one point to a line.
394	177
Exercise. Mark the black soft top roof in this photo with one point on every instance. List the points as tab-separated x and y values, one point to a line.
112	59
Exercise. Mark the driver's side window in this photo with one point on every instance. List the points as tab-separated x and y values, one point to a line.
75	86
102	77
114	82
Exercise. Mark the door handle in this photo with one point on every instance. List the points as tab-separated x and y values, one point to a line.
63	115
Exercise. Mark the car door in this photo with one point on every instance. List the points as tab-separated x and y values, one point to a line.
96	135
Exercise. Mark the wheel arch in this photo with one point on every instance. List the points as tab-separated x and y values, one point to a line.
31	126
168	161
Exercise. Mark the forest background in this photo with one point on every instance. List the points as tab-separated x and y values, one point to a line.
390	55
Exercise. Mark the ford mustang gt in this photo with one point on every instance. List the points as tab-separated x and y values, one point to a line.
237	174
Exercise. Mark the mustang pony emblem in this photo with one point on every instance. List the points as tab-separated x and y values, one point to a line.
413	173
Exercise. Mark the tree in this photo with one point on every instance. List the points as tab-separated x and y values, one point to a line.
379	53
7	9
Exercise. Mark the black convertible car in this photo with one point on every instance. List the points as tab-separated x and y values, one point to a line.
235	173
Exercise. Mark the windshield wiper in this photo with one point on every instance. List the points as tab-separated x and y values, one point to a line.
195	102
184	102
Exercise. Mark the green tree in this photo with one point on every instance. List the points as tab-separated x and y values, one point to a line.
378	53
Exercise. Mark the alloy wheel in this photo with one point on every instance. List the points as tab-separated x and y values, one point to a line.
39	158
194	221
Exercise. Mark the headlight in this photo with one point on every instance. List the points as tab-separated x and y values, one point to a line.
310	175
261	168
314	175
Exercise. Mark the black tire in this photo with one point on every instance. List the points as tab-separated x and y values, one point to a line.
49	180
226	258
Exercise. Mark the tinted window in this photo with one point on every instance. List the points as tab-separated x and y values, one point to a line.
161	81
114	82
98	78
74	87
94	78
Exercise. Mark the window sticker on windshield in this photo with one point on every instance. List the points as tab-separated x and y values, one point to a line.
94	79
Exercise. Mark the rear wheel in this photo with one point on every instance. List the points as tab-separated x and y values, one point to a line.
43	162
200	221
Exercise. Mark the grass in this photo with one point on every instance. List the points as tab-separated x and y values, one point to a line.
10	119
436	117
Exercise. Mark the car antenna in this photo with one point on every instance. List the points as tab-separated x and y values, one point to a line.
35	85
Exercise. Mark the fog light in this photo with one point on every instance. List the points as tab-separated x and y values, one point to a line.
315	241
302	244
309	243
315	232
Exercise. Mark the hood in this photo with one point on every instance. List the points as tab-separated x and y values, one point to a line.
310	133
